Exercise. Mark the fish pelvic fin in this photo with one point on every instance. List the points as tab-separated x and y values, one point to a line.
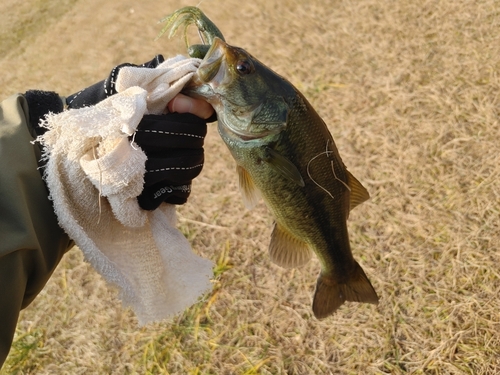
249	191
358	193
330	294
286	250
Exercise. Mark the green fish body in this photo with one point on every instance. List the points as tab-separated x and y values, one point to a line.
303	181
286	155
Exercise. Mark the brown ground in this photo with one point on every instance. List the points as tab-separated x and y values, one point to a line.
410	91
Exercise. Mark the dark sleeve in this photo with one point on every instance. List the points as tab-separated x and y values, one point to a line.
32	243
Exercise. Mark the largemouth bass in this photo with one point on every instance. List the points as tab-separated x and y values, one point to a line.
286	155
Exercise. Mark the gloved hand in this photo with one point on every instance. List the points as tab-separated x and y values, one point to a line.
172	142
104	89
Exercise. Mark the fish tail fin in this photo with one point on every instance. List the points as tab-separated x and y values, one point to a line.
330	294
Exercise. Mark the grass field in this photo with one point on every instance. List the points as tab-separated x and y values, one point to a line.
410	92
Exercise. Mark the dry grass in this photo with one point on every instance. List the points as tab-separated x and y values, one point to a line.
410	92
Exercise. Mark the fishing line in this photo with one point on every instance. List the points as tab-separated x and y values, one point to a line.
333	166
327	153
312	179
200	34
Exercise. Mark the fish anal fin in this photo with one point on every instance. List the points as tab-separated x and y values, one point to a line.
330	294
358	194
286	250
249	191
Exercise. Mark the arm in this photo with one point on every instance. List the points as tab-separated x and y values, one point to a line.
32	243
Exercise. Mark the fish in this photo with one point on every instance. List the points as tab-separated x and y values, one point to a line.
286	156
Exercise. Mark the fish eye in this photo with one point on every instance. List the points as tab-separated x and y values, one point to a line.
244	67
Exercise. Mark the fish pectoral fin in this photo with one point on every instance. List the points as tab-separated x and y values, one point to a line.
330	294
249	191
283	166
286	250
358	194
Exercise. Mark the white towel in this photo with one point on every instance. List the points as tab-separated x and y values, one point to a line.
94	174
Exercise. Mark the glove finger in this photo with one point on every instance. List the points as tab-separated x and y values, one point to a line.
152	196
110	82
171	131
157	60
177	169
40	103
88	96
104	89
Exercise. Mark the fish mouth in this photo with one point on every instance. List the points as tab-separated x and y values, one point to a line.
209	82
212	63
211	72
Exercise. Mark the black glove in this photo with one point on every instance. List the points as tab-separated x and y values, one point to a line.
41	103
172	142
104	89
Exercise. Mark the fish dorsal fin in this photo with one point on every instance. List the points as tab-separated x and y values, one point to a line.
249	191
359	194
286	250
284	166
